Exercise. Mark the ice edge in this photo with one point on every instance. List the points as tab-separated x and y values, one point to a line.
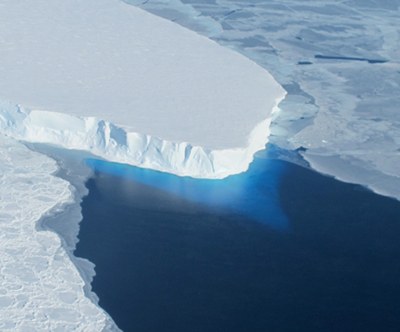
111	142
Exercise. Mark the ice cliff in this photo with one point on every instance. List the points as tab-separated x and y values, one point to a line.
113	143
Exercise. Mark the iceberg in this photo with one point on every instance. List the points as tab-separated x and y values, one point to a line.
109	78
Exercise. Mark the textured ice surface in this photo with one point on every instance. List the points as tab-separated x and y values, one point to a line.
40	288
107	60
336	108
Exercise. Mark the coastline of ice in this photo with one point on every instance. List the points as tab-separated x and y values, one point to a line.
41	289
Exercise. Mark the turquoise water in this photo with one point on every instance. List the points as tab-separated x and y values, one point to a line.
281	248
250	194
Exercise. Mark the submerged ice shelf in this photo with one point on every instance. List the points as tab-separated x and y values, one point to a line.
126	85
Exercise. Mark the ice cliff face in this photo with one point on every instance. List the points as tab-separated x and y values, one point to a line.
114	143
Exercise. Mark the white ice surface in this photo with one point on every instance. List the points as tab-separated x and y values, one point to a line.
40	288
147	76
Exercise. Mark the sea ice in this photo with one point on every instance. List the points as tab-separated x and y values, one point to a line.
40	288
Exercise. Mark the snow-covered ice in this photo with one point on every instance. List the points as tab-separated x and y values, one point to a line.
162	96
40	287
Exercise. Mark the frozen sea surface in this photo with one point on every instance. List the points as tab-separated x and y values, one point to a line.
40	288
343	112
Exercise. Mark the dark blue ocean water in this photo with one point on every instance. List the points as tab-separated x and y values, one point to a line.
279	248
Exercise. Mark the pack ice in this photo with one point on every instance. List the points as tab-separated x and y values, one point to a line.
107	77
40	287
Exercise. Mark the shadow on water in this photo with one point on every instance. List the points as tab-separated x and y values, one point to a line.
174	255
349	58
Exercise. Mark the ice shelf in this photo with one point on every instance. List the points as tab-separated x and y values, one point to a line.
107	77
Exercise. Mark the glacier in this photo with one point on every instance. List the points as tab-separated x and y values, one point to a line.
131	87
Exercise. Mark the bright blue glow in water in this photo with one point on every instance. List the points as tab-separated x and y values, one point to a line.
165	263
253	194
